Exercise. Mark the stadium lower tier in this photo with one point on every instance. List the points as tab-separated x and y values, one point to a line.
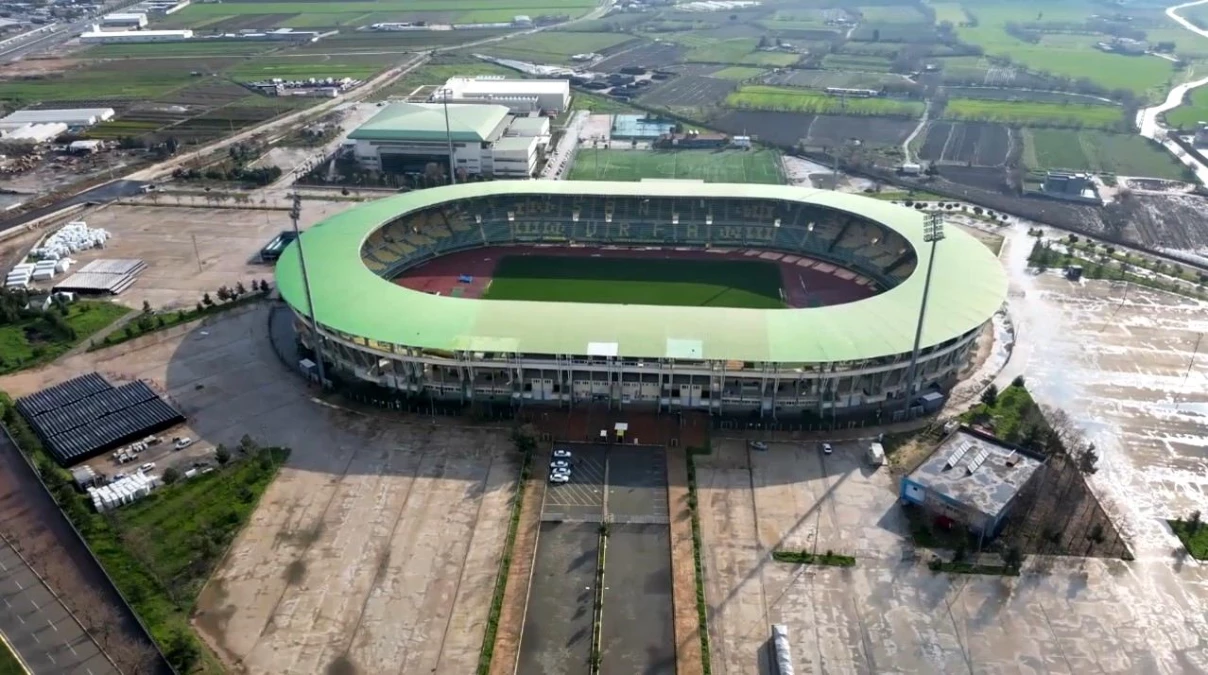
823	389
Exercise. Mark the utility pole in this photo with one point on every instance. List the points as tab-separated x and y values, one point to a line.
295	213
196	254
933	232
444	99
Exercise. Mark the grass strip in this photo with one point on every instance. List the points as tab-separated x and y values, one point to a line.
1193	534
830	558
37	338
9	663
505	563
961	567
152	322
702	607
597	623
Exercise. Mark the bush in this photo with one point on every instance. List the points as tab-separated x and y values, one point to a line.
222	454
1018	381
990	395
171	475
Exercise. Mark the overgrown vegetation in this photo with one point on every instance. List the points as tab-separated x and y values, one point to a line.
597	621
962	567
236	168
9	665
525	441
1193	533
160	551
30	336
830	558
702	607
150	321
1109	265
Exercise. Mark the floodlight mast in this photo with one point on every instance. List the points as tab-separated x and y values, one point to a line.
933	232
445	92
295	213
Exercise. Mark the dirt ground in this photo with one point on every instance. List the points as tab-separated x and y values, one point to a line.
189	250
890	612
376	548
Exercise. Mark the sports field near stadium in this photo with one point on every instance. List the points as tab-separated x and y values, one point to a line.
753	284
713	166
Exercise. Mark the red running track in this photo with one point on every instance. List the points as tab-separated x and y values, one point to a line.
806	282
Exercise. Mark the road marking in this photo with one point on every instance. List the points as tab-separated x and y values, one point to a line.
51	657
20	619
52	625
33	635
73	651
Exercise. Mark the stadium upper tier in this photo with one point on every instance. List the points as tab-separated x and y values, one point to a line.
352	256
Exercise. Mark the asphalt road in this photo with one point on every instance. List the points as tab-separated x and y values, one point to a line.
100	194
39	627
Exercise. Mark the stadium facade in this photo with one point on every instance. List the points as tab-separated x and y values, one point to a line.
828	361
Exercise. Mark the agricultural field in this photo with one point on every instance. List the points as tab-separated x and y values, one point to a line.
857	62
1067	56
690	91
738	73
355	66
966	143
438	72
554	46
759	97
890	14
788	129
1193	110
237	15
649	55
1100	152
1024	113
821	79
753	284
737	51
951	12
1017	95
715	166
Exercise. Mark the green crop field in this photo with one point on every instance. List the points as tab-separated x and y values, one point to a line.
876	64
737	73
739	51
715	166
1193	110
1100	152
554	45
626	281
760	97
1020	112
462	11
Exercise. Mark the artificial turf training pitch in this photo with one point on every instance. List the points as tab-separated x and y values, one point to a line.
752	284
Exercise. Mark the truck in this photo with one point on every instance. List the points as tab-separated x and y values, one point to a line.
875	454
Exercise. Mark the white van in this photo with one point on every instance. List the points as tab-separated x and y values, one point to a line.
876	454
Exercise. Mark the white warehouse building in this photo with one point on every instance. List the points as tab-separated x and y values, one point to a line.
96	36
124	20
405	138
72	117
520	96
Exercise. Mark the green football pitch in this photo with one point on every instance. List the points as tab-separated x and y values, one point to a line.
752	284
712	166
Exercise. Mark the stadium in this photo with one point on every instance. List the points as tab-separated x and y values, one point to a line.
733	299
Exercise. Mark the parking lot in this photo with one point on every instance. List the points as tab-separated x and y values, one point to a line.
627	487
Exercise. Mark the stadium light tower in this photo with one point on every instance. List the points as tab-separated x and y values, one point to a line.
933	232
295	213
445	92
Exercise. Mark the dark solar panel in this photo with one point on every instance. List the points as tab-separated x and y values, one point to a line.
86	416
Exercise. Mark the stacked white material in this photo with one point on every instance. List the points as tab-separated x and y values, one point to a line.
780	642
63	265
44	270
124	490
19	276
73	237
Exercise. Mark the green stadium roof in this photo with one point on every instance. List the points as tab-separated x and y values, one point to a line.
968	286
426	122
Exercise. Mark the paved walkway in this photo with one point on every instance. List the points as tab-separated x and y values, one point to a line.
39	627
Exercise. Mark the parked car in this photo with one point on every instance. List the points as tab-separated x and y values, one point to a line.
559	464
827	449
759	445
182	443
558	478
562	454
147	467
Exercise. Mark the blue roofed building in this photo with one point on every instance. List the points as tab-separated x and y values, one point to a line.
972	479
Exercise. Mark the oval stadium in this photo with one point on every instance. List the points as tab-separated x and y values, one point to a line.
735	299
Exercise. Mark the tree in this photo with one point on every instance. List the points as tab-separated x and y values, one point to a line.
239	289
182	651
146	307
222	454
1193	522
247	446
207	300
524	438
200	308
1088	459
171	475
1013	557
990	395
224	293
1018	381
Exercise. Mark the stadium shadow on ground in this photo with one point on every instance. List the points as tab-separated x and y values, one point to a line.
752	284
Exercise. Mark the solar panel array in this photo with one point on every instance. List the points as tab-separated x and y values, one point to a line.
86	416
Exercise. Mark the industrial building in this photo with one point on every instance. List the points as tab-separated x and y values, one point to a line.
971	480
96	36
406	137
520	96
133	20
33	134
75	118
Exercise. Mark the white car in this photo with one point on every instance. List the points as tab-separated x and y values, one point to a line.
147	467
827	449
182	443
559	478
759	445
559	464
562	454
